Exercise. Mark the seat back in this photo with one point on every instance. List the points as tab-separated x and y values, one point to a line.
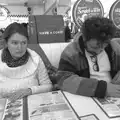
52	50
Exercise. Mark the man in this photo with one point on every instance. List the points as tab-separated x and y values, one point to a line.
94	61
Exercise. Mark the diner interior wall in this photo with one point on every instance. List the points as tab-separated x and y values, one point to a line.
14	10
49	3
63	6
22	10
62	9
64	2
106	5
38	10
17	10
49	6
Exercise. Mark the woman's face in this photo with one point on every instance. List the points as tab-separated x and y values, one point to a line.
17	45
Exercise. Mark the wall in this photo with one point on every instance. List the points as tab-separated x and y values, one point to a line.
17	10
20	10
105	3
38	10
49	3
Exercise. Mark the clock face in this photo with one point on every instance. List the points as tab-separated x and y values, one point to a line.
83	9
3	13
114	13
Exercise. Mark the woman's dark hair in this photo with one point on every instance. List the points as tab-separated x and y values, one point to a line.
14	28
2	31
99	28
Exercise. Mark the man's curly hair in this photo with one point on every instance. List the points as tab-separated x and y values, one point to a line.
99	28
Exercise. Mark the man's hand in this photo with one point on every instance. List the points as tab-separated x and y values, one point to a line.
19	94
113	90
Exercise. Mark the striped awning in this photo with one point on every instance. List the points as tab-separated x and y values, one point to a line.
18	16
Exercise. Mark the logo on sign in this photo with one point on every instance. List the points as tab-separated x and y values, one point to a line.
83	9
3	13
114	14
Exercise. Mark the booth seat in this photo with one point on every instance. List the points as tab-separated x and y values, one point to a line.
52	50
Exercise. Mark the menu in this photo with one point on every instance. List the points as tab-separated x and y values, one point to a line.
110	105
50	106
45	106
2	107
89	117
13	110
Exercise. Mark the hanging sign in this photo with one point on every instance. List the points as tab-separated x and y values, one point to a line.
3	13
83	9
114	13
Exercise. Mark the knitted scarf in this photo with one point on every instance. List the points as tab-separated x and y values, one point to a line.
11	62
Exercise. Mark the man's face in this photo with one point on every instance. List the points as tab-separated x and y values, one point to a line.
95	47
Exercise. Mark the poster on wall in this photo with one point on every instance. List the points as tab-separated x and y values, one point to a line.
83	9
46	29
114	13
3	13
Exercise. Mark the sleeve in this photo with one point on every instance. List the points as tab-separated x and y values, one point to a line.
44	82
79	85
116	79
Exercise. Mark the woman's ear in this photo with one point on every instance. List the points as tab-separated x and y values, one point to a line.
2	43
5	44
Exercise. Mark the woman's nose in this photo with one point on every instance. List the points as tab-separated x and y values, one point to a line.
19	46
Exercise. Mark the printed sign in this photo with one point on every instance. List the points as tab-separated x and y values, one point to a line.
83	9
114	13
3	13
47	29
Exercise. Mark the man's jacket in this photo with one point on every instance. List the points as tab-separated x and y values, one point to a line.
73	59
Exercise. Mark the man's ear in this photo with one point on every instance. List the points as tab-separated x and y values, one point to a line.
83	38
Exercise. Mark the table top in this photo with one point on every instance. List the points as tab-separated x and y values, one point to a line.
86	105
81	104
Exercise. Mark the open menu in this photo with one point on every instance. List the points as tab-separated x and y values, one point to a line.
89	117
2	107
109	105
12	110
50	106
45	106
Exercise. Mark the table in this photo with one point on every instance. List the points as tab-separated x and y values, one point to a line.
81	104
86	105
2	105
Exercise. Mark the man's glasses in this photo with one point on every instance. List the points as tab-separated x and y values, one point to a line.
95	65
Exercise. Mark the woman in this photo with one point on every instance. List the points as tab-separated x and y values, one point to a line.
22	71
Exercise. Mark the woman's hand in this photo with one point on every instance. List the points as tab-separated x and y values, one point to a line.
19	94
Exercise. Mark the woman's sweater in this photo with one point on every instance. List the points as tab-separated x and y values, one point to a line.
31	75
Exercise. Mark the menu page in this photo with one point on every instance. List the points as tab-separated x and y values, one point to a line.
13	110
110	105
50	106
89	117
2	107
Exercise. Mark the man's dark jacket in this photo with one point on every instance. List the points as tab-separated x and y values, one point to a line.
73	59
